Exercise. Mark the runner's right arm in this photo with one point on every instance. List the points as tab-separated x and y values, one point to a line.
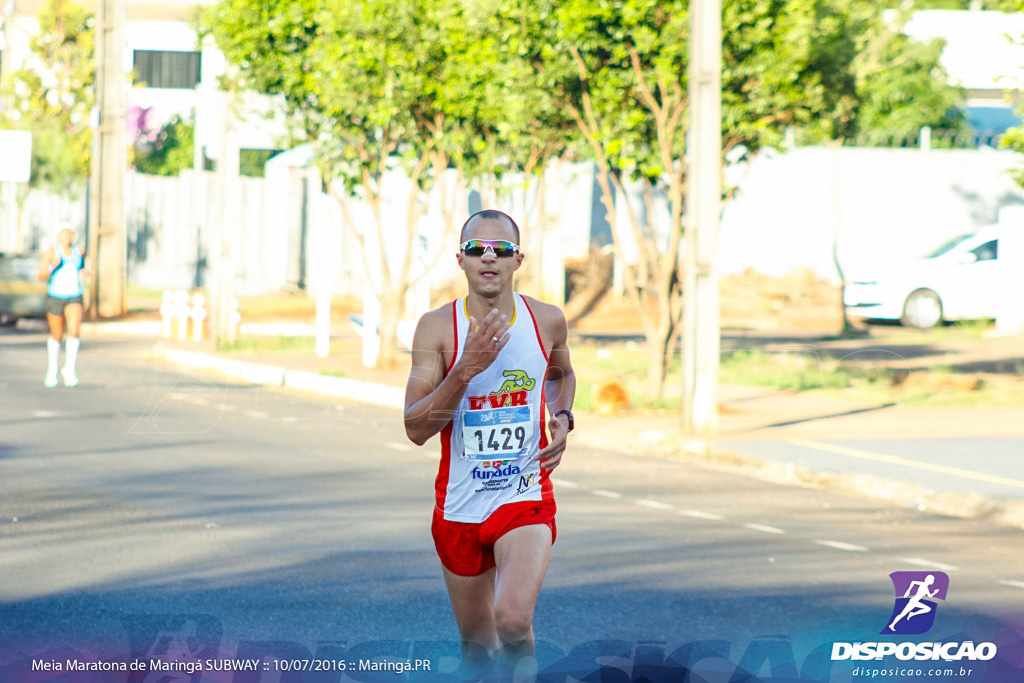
47	265
431	396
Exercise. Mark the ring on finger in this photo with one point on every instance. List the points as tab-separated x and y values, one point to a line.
494	339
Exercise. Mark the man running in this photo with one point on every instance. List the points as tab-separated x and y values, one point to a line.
484	369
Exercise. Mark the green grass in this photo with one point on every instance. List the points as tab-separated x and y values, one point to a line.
792	371
271	345
798	370
785	371
965	330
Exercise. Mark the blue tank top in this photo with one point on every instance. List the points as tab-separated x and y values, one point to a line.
64	281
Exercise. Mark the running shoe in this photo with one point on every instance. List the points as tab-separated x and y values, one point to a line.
51	380
70	378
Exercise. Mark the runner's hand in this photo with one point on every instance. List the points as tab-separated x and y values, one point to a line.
484	341
551	455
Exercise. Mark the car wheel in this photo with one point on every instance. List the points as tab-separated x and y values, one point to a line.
922	309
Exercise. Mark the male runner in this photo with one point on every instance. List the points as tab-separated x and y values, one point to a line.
484	368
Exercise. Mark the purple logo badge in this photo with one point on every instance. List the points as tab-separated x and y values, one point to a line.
916	592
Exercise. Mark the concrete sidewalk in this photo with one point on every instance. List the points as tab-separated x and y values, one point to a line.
800	438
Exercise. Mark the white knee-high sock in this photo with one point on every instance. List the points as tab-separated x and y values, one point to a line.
71	352
52	355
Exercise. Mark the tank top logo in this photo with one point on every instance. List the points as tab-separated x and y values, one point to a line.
512	393
499	426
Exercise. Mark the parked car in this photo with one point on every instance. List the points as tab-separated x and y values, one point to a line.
22	295
954	282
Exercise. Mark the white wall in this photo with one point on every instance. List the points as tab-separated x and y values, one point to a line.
879	205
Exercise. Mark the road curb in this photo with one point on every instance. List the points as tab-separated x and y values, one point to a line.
299	380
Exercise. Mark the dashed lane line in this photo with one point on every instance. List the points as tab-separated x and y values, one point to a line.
839	545
765	528
654	504
929	564
699	514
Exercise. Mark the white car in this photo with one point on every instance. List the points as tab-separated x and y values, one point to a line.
957	281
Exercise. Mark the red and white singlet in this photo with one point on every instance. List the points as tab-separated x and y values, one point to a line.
487	449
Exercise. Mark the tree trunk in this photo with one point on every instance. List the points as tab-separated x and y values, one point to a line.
392	307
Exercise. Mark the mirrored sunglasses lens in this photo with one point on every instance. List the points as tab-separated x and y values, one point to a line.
478	247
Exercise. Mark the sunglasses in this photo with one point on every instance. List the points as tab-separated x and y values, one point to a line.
500	248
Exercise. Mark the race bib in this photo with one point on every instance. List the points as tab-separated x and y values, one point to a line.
497	433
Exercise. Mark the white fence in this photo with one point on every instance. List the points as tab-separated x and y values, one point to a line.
792	208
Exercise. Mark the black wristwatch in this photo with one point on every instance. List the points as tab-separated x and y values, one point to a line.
572	422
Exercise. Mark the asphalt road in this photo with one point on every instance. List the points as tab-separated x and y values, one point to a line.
150	514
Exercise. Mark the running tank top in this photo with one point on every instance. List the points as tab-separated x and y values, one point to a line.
487	449
64	281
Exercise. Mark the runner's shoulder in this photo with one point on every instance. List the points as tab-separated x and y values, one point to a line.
546	314
434	327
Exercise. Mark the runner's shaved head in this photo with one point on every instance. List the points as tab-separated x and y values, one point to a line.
489	214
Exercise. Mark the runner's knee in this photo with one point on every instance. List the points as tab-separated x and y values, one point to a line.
513	625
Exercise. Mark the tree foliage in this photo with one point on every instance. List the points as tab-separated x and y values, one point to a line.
486	86
52	96
1014	138
373	85
171	152
619	68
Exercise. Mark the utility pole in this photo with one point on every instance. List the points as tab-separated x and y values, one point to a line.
108	244
227	236
701	334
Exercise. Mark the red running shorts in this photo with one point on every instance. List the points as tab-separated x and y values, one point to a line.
468	549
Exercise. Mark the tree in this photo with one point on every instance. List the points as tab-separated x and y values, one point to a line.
376	87
52	96
1014	138
171	150
619	68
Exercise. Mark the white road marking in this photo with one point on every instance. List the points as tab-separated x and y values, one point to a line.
929	564
45	413
606	494
765	528
839	545
256	414
565	484
407	447
654	504
225	407
697	514
1013	584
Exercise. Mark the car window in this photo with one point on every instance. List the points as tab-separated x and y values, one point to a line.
988	251
946	246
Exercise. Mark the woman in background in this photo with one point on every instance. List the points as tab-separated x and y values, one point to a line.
61	268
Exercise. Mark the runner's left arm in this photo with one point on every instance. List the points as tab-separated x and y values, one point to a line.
559	389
